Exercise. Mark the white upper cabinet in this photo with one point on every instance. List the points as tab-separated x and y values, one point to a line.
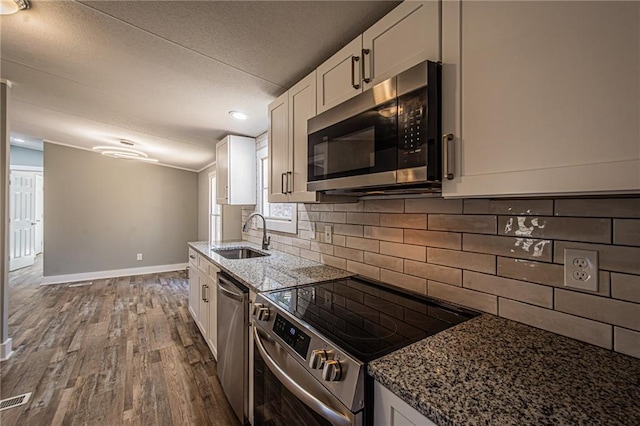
236	170
338	79
541	97
288	117
278	148
406	36
302	107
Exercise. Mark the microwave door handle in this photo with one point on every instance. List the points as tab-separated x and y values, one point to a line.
449	169
311	401
354	59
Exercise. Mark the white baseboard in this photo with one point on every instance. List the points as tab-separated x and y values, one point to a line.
86	276
5	350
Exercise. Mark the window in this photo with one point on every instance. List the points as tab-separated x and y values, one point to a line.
280	216
215	211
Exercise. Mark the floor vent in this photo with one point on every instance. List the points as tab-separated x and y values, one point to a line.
14	401
81	284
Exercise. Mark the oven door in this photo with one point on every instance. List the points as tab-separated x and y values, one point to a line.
357	152
286	394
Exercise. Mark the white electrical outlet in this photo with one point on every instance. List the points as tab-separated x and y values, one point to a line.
581	269
312	225
327	234
139	256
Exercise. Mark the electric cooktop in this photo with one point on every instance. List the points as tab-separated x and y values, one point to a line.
368	319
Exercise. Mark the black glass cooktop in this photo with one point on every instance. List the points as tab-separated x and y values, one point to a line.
366	319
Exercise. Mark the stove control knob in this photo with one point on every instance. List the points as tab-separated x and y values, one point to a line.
332	371
256	308
264	314
318	358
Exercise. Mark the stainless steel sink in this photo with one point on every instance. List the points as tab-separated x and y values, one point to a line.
239	253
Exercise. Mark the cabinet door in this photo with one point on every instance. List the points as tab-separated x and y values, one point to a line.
542	97
302	107
339	78
222	171
212	330
278	141
389	410
242	170
194	291
406	36
203	312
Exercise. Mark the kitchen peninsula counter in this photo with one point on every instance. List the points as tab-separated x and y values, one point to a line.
493	371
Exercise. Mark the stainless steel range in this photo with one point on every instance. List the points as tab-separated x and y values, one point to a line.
312	345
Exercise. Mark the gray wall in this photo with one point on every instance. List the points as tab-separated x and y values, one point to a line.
25	157
203	203
101	211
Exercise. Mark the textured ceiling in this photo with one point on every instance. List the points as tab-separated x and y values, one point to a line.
165	74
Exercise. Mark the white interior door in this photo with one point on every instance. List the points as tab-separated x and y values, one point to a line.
22	221
39	213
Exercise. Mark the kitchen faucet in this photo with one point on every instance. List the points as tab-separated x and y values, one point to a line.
265	240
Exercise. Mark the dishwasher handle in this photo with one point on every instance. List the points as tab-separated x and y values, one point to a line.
228	289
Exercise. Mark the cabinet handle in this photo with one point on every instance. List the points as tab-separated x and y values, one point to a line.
282	191
191	256
226	190
289	185
366	79
202	292
354	59
448	169
206	293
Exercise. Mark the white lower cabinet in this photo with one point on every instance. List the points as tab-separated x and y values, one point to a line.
389	410
194	285
212	299
203	278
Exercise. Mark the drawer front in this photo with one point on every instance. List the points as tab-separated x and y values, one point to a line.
213	272
203	263
193	257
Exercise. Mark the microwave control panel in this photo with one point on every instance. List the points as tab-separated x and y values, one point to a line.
412	129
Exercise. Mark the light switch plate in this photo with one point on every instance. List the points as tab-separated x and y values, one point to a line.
581	269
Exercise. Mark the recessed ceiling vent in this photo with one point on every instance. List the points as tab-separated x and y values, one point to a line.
14	401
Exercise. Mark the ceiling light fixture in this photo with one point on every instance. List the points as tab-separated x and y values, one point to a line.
124	153
9	7
239	115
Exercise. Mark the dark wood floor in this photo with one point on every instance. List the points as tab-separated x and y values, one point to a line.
120	351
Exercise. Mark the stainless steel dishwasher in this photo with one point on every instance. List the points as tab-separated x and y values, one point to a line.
233	335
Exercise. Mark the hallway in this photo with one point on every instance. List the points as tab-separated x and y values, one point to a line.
118	351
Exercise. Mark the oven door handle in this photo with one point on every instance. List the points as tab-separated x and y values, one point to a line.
311	401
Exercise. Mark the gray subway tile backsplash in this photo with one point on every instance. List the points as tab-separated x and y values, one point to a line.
502	256
558	228
626	232
520	247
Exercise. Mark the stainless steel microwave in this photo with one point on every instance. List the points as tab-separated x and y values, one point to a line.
384	139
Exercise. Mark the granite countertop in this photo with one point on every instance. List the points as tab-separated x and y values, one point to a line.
493	371
278	270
